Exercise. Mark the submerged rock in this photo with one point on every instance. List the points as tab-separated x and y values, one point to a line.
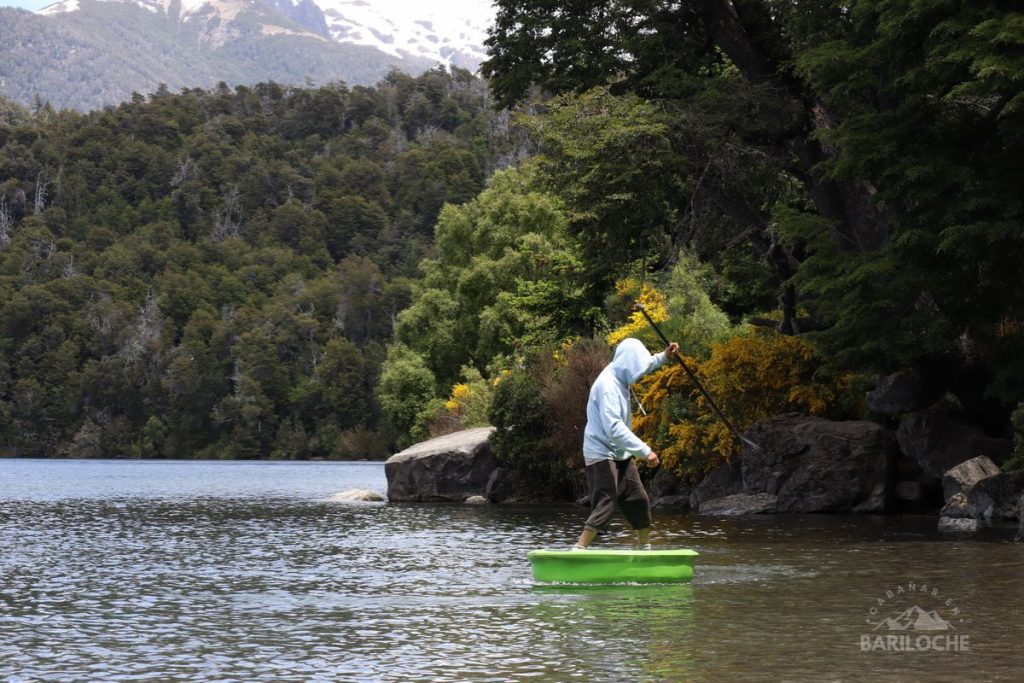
452	467
671	503
959	524
356	495
740	504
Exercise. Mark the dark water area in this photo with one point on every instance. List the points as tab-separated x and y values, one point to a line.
229	571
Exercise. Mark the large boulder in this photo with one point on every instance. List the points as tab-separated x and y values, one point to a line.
815	465
963	477
902	392
938	441
452	467
740	504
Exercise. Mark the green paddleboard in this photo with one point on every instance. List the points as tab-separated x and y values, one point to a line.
612	566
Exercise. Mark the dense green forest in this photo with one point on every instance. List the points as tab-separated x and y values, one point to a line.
806	195
216	274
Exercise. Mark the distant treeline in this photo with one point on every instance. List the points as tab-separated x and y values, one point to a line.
217	274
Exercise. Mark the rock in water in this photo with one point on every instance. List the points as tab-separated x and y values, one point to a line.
817	465
356	495
959	524
476	500
452	467
724	480
671	503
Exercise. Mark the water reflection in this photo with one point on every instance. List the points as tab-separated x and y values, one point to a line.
658	619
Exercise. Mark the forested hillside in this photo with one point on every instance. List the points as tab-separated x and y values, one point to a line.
806	200
216	274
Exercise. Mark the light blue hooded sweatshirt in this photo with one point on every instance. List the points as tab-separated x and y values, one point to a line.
609	434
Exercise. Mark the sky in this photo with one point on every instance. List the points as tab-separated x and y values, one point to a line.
27	4
454	8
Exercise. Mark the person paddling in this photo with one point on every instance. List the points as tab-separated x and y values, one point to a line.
610	446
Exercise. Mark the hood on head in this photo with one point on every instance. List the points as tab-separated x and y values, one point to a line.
631	360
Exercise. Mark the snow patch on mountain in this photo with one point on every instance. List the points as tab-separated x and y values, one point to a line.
445	32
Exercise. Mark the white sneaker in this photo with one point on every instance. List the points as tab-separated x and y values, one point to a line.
642	546
579	547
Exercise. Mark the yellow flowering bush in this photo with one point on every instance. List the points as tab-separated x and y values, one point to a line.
466	406
751	376
652	300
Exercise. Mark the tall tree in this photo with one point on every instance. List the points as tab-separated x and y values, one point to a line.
892	126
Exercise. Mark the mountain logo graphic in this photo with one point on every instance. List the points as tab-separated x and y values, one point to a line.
915	619
914	629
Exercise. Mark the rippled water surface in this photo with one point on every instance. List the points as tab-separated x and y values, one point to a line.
186	571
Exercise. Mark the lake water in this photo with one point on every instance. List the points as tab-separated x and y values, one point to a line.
228	571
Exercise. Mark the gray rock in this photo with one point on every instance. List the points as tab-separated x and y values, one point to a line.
724	480
452	467
740	504
939	441
817	465
964	476
902	392
476	500
994	499
672	503
959	524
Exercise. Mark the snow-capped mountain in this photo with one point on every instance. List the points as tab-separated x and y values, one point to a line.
916	619
445	32
430	31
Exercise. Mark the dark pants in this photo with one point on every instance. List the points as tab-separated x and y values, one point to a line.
617	483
